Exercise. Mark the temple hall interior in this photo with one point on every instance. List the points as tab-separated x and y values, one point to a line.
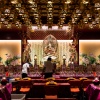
50	49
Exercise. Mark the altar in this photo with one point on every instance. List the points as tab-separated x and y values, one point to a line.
50	47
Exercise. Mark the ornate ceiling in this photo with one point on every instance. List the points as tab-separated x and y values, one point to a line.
28	13
49	12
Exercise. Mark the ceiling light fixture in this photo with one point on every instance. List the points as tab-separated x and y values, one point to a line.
67	1
85	1
14	1
49	2
31	1
97	6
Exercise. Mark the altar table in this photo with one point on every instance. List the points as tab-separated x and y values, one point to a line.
93	92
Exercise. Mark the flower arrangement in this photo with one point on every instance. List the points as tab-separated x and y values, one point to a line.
99	56
85	60
99	59
88	59
15	57
0	59
8	61
11	60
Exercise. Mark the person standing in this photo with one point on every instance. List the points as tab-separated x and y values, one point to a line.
25	69
48	68
54	65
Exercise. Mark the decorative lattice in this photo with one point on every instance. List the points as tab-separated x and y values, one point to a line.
58	34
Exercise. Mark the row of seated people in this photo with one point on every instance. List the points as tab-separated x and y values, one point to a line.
72	88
